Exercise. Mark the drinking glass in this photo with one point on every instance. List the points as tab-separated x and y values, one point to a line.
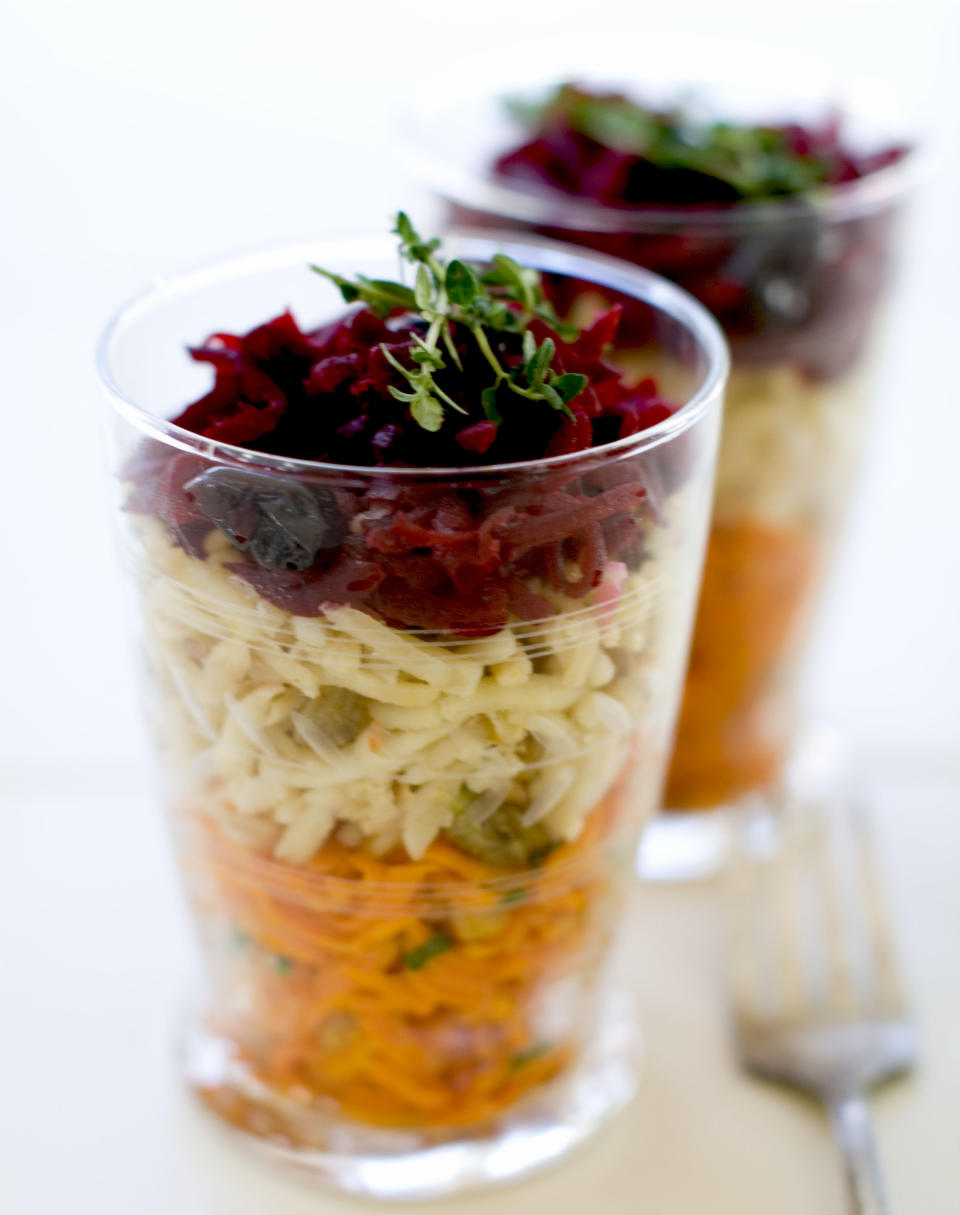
405	781
798	285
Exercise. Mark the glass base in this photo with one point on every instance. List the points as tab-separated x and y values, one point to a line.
684	846
690	846
399	1164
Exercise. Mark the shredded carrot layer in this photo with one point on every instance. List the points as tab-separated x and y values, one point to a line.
733	727
402	993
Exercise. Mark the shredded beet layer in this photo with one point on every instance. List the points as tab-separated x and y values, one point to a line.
453	557
583	147
324	395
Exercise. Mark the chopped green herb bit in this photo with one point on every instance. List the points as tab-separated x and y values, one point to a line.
463	799
416	959
512	896
522	1058
539	855
282	965
240	938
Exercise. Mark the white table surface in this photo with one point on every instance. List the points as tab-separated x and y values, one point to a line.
95	967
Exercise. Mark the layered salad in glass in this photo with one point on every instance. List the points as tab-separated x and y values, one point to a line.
416	590
786	230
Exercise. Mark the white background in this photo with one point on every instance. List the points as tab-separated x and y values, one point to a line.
139	138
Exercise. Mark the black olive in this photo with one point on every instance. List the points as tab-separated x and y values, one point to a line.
782	271
280	523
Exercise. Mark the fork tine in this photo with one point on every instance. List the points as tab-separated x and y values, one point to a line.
835	961
766	953
744	947
888	988
786	898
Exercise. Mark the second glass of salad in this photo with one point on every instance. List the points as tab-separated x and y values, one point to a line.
785	225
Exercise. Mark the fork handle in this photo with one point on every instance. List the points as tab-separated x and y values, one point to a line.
852	1130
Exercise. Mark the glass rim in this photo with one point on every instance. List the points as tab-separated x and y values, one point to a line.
478	188
473	244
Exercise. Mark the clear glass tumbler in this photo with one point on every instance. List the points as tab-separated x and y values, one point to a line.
405	781
798	285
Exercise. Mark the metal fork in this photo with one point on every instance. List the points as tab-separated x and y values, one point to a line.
818	1001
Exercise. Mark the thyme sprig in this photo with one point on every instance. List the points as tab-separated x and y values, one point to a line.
755	161
504	299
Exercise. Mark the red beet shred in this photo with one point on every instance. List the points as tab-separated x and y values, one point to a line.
453	557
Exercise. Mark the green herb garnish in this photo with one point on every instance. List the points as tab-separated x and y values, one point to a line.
416	959
504	299
755	161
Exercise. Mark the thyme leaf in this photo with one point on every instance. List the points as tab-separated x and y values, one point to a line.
504	299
